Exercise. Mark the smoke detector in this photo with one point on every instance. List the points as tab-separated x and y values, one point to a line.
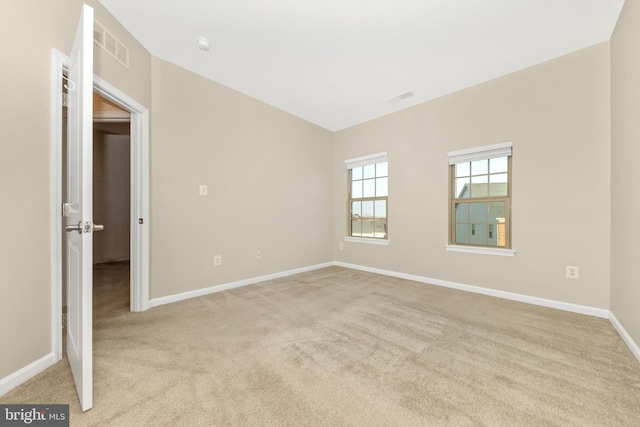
203	43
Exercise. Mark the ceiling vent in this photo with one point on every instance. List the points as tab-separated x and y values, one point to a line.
400	97
103	38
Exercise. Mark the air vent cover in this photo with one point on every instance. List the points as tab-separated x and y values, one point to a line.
400	97
103	38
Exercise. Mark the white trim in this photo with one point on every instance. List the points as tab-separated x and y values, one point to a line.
565	306
139	131
366	160
480	153
219	288
18	377
625	336
480	250
370	241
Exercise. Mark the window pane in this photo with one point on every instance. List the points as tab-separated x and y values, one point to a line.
462	188
382	187
499	177
463	169
478	212
369	171
462	233
380	207
380	228
497	211
356	213
356	209
367	209
479	234
382	169
367	227
462	212
369	188
498	185
356	173
498	165
480	167
356	189
479	186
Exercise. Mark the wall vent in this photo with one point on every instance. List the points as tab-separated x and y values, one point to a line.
103	38
400	97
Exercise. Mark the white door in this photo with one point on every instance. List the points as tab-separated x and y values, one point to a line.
79	210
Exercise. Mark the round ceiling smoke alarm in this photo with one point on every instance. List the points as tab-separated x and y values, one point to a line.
203	43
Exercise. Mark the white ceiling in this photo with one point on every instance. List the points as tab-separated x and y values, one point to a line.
336	62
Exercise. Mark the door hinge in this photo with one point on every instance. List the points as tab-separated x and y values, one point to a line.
65	209
65	99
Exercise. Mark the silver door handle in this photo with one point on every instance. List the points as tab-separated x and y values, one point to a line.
77	227
87	227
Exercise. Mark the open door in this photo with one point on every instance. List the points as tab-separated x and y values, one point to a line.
79	210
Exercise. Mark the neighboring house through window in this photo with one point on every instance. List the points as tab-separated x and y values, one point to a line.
480	197
368	197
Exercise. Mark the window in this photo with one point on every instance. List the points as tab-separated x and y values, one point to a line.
480	200
368	196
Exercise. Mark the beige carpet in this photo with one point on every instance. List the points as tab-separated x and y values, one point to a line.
340	347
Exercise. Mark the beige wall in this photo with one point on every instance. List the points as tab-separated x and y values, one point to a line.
29	29
557	116
625	169
269	180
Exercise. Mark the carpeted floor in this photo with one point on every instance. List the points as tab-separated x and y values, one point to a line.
337	347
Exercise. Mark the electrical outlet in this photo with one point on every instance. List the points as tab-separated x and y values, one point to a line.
204	190
259	254
572	272
341	246
217	260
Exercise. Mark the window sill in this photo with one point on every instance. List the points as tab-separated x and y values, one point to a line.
383	242
480	250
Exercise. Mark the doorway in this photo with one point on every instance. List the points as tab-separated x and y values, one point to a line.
111	207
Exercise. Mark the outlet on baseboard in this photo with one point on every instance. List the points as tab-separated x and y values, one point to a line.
572	272
217	260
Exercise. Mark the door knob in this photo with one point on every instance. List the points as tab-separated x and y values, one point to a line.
75	227
86	229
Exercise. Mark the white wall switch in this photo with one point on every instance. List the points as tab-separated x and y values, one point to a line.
204	190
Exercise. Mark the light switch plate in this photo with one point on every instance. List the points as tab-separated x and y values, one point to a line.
204	190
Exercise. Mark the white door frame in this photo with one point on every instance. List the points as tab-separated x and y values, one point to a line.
139	129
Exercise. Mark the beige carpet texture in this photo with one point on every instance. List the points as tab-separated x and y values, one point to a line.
339	347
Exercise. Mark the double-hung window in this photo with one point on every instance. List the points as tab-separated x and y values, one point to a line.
368	196
480	197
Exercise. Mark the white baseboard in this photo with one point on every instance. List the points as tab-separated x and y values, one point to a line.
574	308
625	336
13	380
219	288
